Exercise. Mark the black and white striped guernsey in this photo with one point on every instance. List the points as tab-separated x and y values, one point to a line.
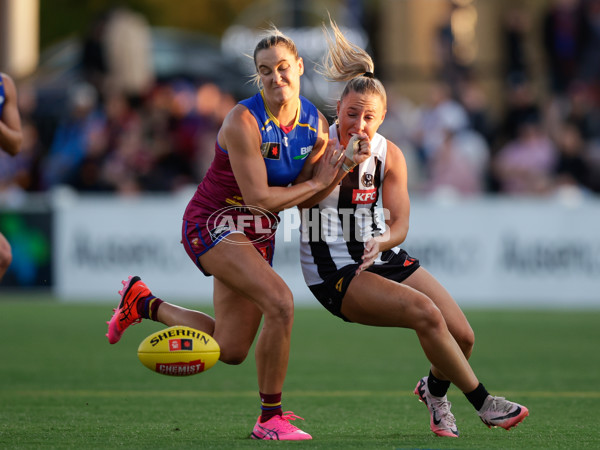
333	233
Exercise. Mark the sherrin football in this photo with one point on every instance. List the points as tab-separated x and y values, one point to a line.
179	351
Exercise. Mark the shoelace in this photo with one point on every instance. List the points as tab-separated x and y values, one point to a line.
289	416
501	405
443	406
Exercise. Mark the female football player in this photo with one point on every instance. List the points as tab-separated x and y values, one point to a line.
264	144
11	137
357	270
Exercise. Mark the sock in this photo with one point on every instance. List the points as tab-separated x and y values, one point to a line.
270	404
148	307
477	396
437	387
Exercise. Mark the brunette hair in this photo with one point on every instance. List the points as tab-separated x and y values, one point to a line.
273	38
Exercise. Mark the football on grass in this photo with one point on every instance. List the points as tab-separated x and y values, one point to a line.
179	351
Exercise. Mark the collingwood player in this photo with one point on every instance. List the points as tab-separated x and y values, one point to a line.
353	263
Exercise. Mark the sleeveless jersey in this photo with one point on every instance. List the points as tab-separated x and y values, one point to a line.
333	233
283	152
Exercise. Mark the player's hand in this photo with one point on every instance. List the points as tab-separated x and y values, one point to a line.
361	152
369	256
328	165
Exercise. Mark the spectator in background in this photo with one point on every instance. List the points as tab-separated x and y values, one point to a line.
451	70
475	102
11	138
525	165
187	125
521	104
20	173
71	138
516	26
212	106
402	118
459	164
564	35
571	168
454	155
158	121
434	119
590	64
93	58
582	110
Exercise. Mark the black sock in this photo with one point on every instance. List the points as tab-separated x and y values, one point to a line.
437	387
477	396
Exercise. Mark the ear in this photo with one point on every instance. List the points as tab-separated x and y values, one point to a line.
337	109
383	116
300	66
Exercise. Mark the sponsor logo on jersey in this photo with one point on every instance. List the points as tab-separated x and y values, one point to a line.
339	284
216	232
364	196
367	179
271	150
304	152
409	262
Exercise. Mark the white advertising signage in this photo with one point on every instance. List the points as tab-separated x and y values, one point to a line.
486	252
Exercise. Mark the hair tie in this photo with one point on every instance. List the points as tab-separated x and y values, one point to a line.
368	75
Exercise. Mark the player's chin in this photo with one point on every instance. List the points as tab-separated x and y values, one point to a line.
283	93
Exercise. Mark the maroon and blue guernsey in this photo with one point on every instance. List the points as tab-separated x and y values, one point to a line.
218	209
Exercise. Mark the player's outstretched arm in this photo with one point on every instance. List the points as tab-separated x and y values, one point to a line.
10	121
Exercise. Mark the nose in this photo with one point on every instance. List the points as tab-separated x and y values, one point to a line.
361	123
276	76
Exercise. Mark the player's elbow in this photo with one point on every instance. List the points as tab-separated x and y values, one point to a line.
261	202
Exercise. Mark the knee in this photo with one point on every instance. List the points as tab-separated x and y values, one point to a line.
466	340
279	309
233	357
429	318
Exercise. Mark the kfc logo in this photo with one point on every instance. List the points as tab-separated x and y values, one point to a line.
364	196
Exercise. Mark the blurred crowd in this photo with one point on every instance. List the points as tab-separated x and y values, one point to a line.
159	142
160	136
546	139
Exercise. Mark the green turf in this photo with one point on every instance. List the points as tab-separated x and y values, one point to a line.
63	386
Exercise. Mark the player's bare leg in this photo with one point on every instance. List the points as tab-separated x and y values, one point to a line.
171	315
239	267
374	300
457	323
247	288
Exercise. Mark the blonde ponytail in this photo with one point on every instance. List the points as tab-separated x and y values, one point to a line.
345	61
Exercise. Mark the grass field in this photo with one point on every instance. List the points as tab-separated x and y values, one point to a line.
63	386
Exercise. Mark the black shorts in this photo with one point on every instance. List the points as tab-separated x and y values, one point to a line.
331	292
